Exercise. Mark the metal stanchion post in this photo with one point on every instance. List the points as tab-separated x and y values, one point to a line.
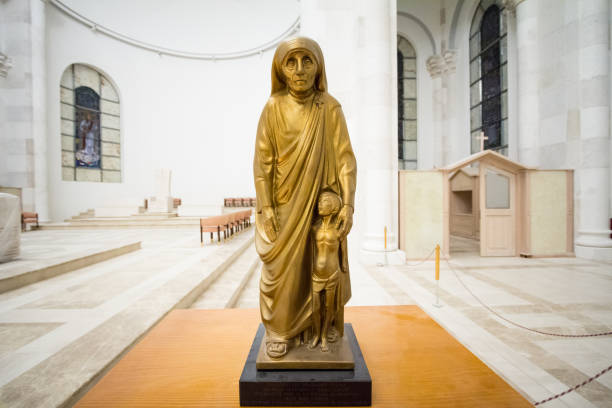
437	304
386	246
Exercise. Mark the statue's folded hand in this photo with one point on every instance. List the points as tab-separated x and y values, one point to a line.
270	223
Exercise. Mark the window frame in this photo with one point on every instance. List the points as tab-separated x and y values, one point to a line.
477	123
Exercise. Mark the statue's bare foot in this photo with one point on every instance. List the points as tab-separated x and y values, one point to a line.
333	335
324	347
276	349
314	342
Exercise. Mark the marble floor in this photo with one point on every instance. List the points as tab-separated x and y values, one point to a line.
557	295
58	334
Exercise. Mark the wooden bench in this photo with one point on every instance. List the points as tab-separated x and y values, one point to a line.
239	202
28	218
212	225
230	224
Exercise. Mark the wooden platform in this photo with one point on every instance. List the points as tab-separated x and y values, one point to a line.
195	357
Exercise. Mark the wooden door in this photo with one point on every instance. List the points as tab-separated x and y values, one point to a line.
497	212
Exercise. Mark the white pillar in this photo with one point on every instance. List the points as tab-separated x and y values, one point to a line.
512	71
593	175
39	108
377	77
441	68
528	82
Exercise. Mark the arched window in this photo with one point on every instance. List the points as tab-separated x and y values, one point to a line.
87	127
91	142
488	77
406	105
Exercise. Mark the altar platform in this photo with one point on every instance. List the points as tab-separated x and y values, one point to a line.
195	357
45	255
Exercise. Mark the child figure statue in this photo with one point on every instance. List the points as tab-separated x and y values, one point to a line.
326	269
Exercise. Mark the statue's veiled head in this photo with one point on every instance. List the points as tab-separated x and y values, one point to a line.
298	64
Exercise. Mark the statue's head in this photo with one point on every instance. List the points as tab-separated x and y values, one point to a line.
329	203
298	65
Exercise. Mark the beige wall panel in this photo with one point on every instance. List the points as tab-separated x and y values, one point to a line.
68	173
85	76
108	91
67	127
111	135
67	111
462	182
68	159
111	163
67	96
66	80
109	121
68	143
421	207
109	107
462	225
111	149
84	174
548	210
109	176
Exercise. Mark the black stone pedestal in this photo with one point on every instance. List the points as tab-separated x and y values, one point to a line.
306	387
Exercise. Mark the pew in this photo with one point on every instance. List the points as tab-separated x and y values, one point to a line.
229	223
28	218
212	225
239	202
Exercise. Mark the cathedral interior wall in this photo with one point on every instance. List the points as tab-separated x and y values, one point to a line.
195	117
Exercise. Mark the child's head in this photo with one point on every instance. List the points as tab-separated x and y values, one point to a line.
329	203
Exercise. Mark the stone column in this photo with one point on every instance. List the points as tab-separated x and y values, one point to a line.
435	67
22	108
39	107
441	68
528	82
592	178
377	77
513	106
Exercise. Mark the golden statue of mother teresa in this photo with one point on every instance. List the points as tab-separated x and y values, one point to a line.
302	152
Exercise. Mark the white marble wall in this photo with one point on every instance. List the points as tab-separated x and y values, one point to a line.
195	117
564	105
359	43
22	103
593	175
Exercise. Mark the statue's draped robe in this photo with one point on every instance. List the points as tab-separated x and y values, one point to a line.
291	169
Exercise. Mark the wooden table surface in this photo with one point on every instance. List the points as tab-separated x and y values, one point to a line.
194	358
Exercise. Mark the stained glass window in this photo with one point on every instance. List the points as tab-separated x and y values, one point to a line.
488	77
406	105
90	126
87	127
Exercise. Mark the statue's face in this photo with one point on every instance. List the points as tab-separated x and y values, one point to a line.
300	70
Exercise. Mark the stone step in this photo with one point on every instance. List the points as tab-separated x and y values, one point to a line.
22	272
249	296
155	216
115	305
99	223
84	214
224	292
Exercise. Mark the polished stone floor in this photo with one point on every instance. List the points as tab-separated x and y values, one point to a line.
57	334
558	295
